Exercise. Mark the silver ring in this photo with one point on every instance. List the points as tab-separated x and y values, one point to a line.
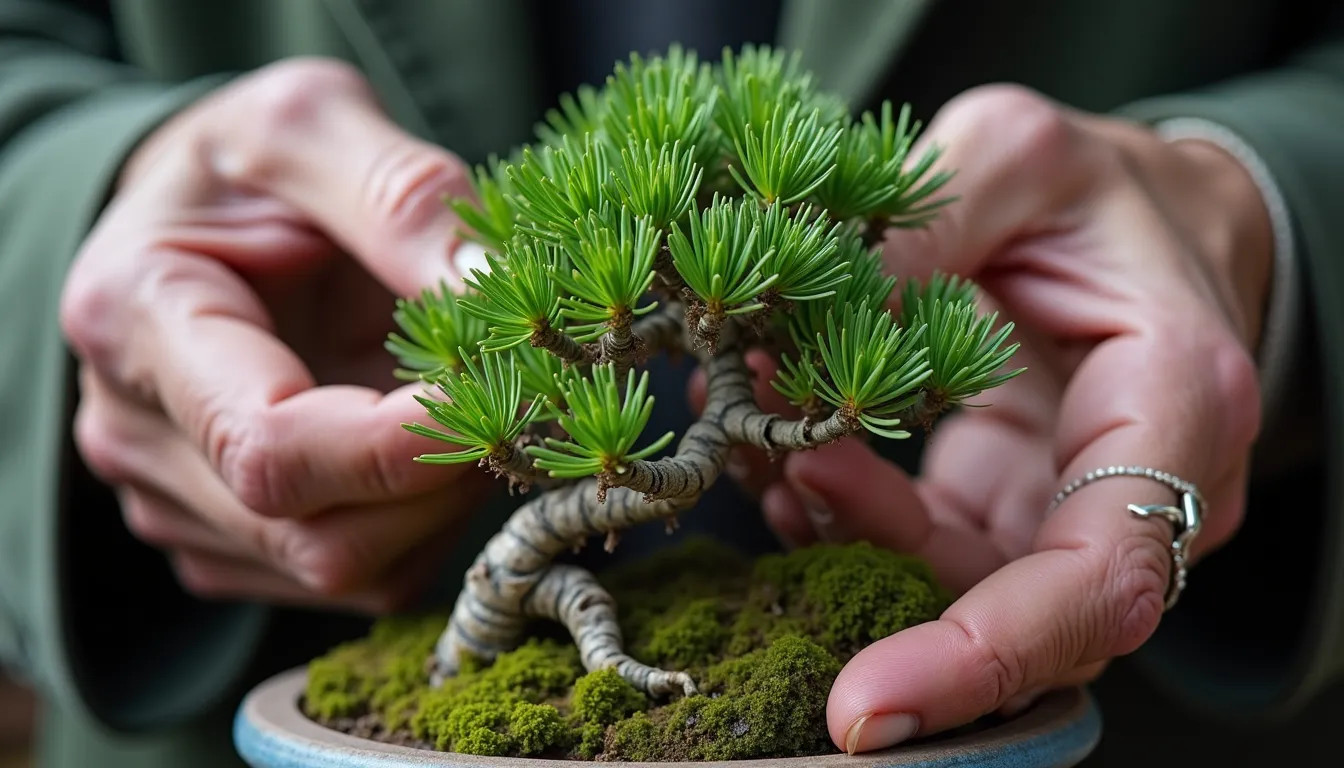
1185	520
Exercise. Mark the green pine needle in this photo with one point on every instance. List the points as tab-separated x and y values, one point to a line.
541	374
490	217
659	182
579	114
666	100
966	353
867	287
557	186
483	410
603	426
436	327
722	261
805	249
518	293
755	80
874	368
797	379
612	269
788	157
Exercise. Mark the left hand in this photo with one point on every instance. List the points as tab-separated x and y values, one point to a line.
1136	270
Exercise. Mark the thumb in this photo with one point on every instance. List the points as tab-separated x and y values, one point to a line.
311	134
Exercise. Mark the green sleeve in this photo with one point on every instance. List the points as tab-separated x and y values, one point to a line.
90	616
1262	629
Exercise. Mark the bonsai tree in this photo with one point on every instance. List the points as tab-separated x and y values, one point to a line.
686	207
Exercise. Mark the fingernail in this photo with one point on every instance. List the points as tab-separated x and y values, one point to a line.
872	732
819	514
468	256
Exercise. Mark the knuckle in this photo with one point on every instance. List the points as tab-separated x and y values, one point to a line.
279	104
407	182
329	565
1137	573
247	456
88	311
103	450
1026	123
197	577
146	522
999	671
1237	380
294	91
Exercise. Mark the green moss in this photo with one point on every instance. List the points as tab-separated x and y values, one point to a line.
635	738
536	728
504	698
770	703
687	637
848	596
591	738
372	674
764	642
483	741
603	697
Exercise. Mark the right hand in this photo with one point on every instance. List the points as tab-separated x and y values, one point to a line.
234	386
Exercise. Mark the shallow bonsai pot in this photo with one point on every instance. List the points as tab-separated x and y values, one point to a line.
270	731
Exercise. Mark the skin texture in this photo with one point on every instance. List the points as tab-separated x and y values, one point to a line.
1137	272
229	310
248	259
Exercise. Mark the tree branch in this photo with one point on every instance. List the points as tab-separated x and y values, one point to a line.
703	451
621	347
663	330
514	465
670	280
562	345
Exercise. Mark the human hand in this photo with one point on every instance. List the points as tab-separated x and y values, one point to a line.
232	368
1136	271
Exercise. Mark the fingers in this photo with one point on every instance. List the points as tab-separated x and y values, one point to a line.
218	577
173	500
850	493
1017	157
312	134
1096	583
202	351
787	517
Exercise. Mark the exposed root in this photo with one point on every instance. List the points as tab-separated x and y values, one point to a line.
572	596
488	617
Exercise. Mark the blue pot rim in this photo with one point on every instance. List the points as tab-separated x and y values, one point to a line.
270	731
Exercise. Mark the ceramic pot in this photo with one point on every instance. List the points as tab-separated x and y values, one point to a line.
270	731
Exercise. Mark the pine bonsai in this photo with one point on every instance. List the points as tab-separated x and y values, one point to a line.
685	207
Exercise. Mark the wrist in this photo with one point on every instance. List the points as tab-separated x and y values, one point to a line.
1235	231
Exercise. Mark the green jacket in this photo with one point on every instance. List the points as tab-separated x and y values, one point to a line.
137	673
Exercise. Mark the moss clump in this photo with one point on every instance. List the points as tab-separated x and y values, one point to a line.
848	596
686	637
603	697
373	675
592	737
536	728
499	709
764	641
769	703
